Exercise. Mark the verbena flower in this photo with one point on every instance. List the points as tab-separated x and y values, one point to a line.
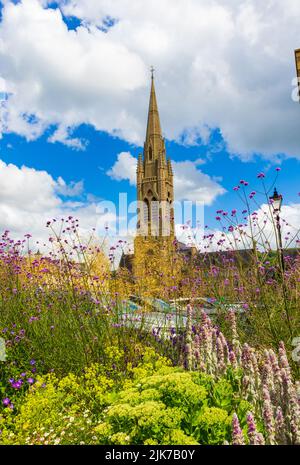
6	402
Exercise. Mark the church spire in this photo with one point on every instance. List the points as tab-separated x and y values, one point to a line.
154	143
154	180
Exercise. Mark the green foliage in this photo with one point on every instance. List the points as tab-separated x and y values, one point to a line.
212	426
68	314
156	404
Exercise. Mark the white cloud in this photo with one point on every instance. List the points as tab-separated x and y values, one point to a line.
29	198
190	183
124	168
211	240
221	63
263	230
64	77
63	134
2	85
73	189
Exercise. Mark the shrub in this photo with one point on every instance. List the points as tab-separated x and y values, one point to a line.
169	407
164	406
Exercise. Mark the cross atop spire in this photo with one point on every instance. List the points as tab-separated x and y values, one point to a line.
152	72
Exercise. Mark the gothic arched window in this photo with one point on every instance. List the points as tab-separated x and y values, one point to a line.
150	153
165	218
145	212
154	217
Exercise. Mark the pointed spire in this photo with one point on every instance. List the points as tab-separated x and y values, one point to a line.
154	138
140	163
170	169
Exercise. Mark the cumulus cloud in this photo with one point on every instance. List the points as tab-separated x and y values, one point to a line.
72	189
29	198
63	134
264	232
261	227
220	64
190	183
124	168
63	77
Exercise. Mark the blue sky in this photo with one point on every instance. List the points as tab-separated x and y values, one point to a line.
92	164
70	116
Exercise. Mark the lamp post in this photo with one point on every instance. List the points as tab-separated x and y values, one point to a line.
297	58
276	202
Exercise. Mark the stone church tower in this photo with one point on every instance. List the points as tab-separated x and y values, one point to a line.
154	243
155	192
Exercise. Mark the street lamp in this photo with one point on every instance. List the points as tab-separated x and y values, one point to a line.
297	58
276	202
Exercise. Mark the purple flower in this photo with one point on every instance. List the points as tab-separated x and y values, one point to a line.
255	438
237	434
30	380
17	384
6	401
